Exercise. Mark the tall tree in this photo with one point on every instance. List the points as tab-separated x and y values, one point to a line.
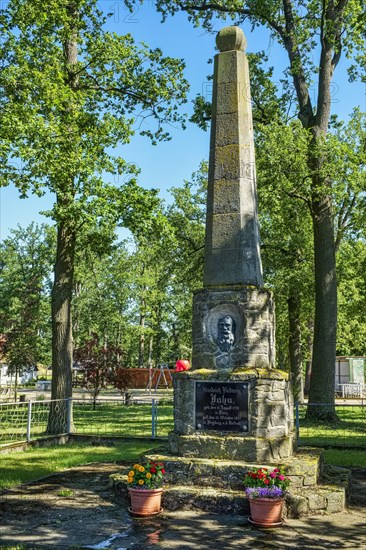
286	237
351	264
308	31
187	217
72	92
286	220
26	264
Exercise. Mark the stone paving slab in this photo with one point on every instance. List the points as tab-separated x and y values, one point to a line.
190	530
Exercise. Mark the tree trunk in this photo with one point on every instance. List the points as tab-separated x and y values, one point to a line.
322	382
16	384
151	348
157	334
175	336
309	345
61	296
77	287
62	348
295	353
142	335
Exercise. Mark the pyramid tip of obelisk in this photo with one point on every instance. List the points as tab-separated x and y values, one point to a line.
231	38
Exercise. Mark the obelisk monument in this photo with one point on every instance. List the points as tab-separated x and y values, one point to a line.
234	408
232	291
232	248
234	403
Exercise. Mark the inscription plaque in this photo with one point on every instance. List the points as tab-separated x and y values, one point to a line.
222	406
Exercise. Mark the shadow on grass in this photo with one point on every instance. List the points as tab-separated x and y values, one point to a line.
24	466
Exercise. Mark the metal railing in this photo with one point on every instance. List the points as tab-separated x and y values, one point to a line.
351	390
31	420
138	418
345	427
322	425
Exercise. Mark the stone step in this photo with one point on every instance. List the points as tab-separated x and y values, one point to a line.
309	501
324	499
314	501
216	486
208	499
303	469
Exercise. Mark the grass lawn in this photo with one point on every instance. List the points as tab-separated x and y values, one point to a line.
20	467
112	418
348	431
108	418
345	457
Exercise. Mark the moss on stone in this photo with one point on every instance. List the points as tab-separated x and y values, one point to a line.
230	287
204	374
235	374
262	373
117	477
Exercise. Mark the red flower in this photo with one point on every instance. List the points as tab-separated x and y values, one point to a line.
266	481
153	470
163	471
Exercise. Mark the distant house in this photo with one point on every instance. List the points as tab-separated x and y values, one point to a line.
4	378
350	376
8	379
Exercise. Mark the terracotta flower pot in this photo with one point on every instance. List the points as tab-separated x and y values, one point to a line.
266	512
145	502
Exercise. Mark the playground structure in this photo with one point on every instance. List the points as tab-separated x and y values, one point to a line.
159	376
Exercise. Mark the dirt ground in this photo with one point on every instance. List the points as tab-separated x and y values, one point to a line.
77	509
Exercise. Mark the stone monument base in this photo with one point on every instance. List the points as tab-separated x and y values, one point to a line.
265	431
249	449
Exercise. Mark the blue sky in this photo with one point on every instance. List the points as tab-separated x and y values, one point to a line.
169	163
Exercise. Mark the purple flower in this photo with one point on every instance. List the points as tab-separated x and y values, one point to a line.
256	478
264	492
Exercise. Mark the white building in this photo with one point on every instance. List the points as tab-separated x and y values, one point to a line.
350	376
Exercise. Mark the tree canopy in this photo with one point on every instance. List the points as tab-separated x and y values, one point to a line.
72	92
313	35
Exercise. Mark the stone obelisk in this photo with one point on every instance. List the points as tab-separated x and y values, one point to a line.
232	248
234	403
233	320
232	293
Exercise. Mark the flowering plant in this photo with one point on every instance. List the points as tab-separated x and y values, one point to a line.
146	476
265	483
